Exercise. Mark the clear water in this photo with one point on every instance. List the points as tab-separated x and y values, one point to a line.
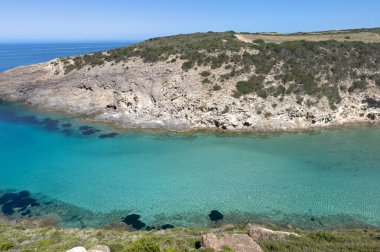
13	55
329	178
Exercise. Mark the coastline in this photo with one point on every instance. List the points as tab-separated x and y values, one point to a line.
122	127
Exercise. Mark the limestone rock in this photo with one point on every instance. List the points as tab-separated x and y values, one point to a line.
264	233
77	249
237	242
99	248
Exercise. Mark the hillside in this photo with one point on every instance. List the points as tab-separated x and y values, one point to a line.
233	238
215	80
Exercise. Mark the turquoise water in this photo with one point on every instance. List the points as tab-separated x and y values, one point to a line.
327	178
84	174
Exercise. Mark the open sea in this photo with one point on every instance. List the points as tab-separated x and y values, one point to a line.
84	174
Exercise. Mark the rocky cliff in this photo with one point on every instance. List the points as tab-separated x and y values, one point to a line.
211	80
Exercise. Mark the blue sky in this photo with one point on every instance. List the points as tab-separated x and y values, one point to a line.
114	20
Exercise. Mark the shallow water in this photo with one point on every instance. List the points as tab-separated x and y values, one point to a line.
326	178
87	174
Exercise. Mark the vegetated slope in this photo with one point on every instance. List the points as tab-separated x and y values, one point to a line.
216	80
29	238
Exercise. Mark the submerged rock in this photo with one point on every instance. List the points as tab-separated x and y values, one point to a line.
167	226
109	135
17	202
215	215
133	220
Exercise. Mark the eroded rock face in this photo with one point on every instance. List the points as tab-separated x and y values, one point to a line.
264	233
237	242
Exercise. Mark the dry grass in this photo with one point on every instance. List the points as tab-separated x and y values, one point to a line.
365	36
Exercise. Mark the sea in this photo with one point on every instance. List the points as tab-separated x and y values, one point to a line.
82	174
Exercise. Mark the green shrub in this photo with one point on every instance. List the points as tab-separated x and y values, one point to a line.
376	79
280	90
216	87
206	81
254	84
358	85
6	245
323	236
205	73
144	245
259	41
187	65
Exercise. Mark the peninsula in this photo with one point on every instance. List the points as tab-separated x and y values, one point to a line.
230	81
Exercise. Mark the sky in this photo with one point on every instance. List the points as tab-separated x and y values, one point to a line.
132	20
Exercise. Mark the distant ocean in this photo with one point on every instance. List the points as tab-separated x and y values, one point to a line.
88	174
13	55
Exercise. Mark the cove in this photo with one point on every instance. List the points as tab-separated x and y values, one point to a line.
93	175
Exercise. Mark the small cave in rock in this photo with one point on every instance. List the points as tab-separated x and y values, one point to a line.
217	123
110	106
371	116
247	124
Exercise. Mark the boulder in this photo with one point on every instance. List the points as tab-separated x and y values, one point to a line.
264	233
237	242
77	249
99	248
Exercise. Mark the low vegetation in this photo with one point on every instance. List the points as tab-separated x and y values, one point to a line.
27	239
314	68
350	240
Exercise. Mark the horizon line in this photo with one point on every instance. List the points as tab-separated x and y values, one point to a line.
143	38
